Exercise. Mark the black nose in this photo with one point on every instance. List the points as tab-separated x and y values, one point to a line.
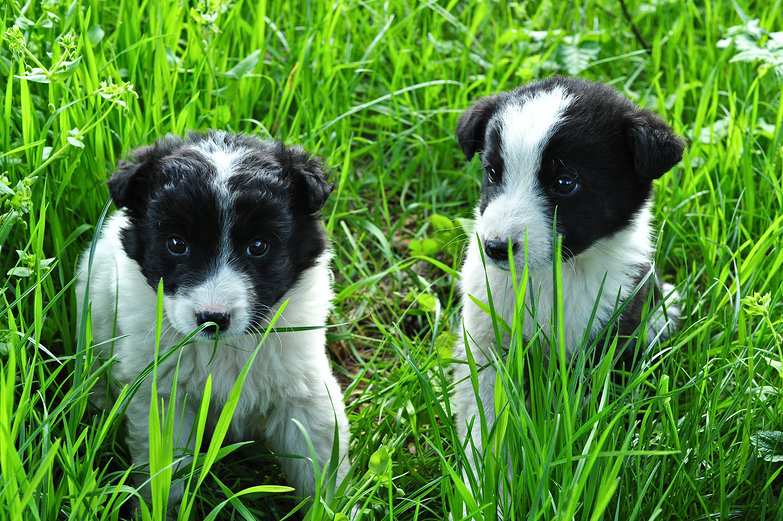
221	319
498	249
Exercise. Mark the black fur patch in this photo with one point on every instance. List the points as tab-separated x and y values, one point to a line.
649	296
493	166
273	193
612	147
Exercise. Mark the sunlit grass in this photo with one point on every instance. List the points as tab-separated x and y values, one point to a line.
376	88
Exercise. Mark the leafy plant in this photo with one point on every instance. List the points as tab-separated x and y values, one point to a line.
442	235
754	44
375	88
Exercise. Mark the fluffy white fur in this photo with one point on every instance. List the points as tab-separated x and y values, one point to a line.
516	212
581	282
606	272
290	378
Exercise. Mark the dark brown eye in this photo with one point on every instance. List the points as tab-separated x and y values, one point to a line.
565	184
492	175
177	245
257	248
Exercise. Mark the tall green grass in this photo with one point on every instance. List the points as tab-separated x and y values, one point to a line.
376	88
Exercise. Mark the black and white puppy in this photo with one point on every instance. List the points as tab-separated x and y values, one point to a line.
577	155
232	226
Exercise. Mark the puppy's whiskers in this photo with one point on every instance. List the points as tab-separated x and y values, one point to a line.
227	220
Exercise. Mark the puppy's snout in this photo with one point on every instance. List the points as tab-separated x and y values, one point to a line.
221	319
497	249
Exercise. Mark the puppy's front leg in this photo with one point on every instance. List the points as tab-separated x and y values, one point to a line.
469	403
317	414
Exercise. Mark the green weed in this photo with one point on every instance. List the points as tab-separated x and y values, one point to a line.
376	88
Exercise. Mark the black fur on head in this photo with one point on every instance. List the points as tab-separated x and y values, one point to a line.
308	174
655	148
137	176
472	124
601	141
220	194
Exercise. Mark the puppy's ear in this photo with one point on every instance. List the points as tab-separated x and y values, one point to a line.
130	186
654	146
472	125
309	177
137	177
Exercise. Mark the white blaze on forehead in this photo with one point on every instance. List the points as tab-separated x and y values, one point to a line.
520	211
223	159
526	128
223	162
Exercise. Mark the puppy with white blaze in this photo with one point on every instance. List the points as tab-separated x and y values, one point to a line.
232	226
573	156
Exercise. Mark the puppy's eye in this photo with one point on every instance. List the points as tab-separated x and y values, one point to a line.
492	175
257	248
565	184
177	245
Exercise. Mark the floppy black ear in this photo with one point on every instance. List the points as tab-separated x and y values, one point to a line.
472	125
129	186
136	178
309	176
654	146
